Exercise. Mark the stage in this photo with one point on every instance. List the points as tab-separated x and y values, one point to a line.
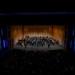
39	48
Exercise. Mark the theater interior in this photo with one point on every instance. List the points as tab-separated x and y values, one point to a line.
37	44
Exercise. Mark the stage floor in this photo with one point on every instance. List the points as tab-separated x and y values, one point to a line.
37	48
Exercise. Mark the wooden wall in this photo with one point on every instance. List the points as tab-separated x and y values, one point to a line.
16	33
37	30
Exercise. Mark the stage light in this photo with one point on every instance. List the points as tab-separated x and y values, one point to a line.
5	43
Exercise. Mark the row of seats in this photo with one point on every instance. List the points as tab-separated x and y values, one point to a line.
39	62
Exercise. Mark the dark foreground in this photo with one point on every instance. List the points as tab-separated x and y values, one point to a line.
54	62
